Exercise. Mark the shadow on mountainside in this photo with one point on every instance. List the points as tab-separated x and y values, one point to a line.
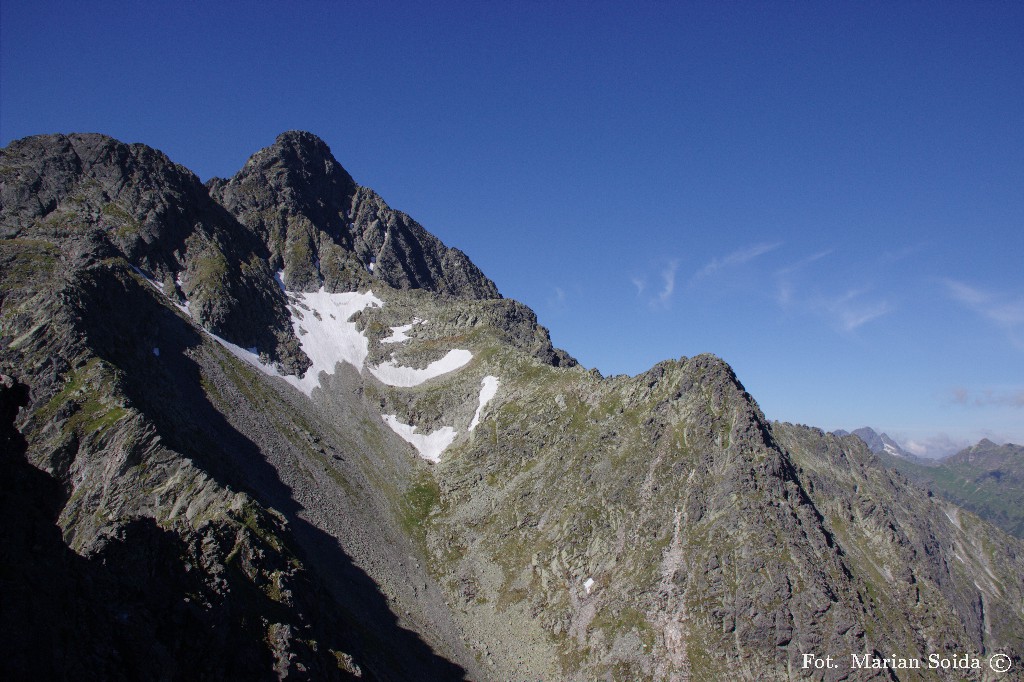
121	612
168	389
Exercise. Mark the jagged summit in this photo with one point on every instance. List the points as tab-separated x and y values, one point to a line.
323	229
878	443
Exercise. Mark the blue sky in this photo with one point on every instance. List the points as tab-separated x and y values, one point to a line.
830	196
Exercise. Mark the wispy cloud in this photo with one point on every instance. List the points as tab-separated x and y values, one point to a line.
738	257
785	287
803	262
663	297
854	308
668	278
898	255
939	445
847	311
1005	311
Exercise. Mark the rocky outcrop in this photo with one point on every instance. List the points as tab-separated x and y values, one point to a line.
98	198
324	230
910	554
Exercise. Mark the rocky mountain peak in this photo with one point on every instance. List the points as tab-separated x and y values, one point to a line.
300	169
323	230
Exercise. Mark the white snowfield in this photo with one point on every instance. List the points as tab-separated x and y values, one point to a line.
396	375
488	389
429	445
326	334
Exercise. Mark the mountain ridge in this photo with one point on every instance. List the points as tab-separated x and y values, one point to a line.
573	527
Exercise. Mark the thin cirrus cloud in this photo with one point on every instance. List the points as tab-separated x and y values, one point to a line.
1002	310
847	311
558	298
853	309
785	287
738	257
668	278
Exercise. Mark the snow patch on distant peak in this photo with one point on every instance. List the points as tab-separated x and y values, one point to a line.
488	389
429	445
397	375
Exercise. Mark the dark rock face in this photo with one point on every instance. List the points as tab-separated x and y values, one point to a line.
324	230
103	199
149	601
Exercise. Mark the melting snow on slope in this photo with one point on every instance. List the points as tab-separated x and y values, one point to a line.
488	389
248	355
324	332
400	334
396	375
326	335
429	445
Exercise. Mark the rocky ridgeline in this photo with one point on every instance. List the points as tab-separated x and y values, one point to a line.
162	479
323	229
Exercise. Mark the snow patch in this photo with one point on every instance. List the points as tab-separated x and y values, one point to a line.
588	585
429	445
183	307
400	334
249	355
321	323
953	517
396	375
488	389
159	286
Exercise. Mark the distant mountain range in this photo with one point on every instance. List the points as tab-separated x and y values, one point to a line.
878	442
986	478
268	427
